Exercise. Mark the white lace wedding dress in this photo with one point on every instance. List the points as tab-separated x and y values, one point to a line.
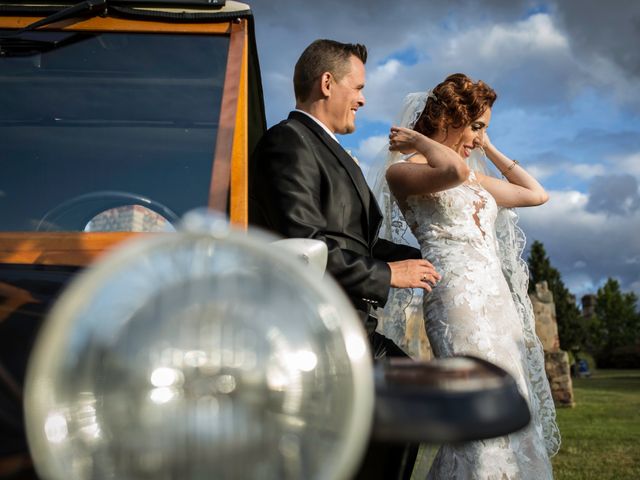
472	311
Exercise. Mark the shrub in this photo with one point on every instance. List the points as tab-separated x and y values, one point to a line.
627	356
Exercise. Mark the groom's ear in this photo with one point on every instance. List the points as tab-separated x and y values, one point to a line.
326	83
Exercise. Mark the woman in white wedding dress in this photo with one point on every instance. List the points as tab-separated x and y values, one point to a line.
480	306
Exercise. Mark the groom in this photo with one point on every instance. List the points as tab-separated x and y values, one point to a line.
304	184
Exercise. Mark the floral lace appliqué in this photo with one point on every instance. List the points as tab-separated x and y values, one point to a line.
480	308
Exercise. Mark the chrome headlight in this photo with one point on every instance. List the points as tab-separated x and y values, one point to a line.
200	355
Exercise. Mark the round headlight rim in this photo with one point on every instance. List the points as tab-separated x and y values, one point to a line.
40	392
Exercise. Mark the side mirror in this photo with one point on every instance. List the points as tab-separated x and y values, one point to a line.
454	399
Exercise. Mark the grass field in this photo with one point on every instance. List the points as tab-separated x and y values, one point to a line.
601	435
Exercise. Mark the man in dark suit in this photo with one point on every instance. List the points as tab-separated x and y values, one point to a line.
304	184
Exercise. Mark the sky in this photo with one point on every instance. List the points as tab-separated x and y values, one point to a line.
567	74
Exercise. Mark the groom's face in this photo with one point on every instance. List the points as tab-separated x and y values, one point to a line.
346	98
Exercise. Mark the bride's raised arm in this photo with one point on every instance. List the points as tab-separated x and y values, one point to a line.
520	189
433	168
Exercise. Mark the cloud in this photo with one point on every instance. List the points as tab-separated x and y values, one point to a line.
369	150
528	62
537	60
583	171
541	172
444	37
604	29
537	34
613	194
586	171
567	76
602	35
371	146
387	85
586	246
628	163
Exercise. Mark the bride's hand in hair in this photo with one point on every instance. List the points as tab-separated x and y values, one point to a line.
486	141
491	151
403	140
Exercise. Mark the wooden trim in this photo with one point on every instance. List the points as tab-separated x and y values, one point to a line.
109	24
221	174
17	465
239	208
73	248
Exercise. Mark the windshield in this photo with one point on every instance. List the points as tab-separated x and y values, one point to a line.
98	122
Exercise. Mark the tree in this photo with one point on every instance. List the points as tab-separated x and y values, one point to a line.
571	331
619	321
540	268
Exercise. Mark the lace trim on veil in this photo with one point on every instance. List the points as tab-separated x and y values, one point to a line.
511	242
404	303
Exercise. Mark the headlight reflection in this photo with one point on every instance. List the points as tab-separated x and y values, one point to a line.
190	357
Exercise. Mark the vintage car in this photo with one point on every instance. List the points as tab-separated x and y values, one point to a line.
115	118
172	348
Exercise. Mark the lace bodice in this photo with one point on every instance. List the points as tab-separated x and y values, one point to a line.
465	213
475	311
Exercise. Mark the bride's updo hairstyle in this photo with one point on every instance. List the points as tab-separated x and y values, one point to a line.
458	102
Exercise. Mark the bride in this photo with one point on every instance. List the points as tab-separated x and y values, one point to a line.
480	307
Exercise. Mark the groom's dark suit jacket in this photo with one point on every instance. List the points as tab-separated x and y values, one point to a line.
304	184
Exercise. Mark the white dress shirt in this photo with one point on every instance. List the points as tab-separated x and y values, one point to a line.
326	129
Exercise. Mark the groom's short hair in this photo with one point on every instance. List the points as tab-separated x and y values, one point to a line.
324	56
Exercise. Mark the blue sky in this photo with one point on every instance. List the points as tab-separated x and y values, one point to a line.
567	75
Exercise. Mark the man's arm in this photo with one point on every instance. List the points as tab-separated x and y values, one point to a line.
286	188
392	252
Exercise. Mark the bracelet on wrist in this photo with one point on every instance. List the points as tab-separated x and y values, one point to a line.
509	168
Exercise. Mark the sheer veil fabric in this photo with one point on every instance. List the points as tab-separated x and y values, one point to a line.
510	245
402	303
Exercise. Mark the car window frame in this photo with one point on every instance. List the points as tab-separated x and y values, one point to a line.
228	191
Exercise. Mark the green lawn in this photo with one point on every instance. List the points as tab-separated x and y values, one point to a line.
601	435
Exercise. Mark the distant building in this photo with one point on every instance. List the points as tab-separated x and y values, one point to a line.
129	218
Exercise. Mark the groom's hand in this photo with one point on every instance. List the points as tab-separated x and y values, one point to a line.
413	274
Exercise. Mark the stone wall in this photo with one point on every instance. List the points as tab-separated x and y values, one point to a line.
588	306
413	339
545	312
556	360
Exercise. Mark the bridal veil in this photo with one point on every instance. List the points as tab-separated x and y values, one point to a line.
511	242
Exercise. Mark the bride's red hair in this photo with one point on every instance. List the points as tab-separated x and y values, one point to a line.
458	102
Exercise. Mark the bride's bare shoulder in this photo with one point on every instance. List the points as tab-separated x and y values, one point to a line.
398	173
417	158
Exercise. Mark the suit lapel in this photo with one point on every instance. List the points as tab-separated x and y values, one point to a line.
354	171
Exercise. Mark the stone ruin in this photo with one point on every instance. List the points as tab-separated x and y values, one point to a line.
556	361
413	338
588	306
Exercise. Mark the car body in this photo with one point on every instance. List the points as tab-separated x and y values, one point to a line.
144	111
